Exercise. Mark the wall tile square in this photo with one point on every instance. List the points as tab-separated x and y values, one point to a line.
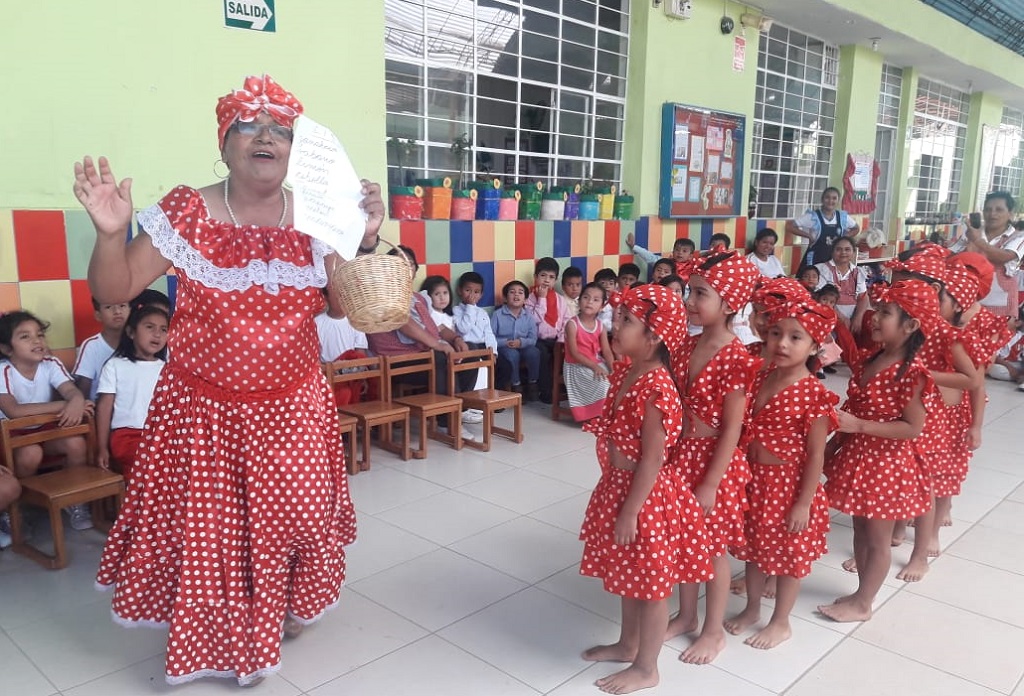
524	271
8	253
580	262
438	243
81	237
505	240
544	239
442	269
414	236
562	234
615	239
50	300
485	269
66	356
582	236
10	297
483	241
504	271
41	245
461	241
83	316
525	240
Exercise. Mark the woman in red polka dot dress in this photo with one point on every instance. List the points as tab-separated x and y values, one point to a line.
643	530
235	522
714	372
788	421
873	469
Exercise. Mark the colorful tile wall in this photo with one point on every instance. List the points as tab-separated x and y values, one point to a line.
44	255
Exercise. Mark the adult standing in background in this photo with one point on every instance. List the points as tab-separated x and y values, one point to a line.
1003	245
822	227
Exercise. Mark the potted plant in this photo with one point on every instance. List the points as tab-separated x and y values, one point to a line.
403	149
463	198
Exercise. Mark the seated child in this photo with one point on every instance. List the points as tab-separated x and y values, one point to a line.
572	286
550	311
809	277
473	324
607	279
674	283
662	269
588	356
629	274
1009	362
10	490
97	349
718	243
152	298
438	292
682	251
516	334
339	341
28	378
126	385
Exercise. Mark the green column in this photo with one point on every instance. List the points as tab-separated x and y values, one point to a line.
986	110
860	74
900	161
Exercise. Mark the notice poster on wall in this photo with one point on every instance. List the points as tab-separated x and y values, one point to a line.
713	144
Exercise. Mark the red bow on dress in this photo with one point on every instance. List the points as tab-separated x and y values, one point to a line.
772	292
930	262
732	276
257	95
817	319
915	297
660	310
978	266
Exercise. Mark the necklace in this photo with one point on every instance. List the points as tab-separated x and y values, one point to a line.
231	213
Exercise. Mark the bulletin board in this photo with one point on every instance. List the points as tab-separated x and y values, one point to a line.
701	162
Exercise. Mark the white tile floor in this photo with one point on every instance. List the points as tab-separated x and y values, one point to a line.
464	581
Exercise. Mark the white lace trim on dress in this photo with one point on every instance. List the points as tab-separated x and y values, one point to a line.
270	275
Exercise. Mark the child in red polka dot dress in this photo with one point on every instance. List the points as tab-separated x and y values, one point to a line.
873	469
714	372
788	421
643	530
943	454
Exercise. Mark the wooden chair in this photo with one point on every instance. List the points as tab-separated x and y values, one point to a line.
425	407
558	384
348	425
487	400
56	490
371	414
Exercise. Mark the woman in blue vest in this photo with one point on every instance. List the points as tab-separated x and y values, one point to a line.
822	227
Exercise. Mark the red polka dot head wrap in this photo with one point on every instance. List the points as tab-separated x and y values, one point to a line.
915	297
818	320
772	292
257	95
930	262
732	276
661	311
978	266
962	285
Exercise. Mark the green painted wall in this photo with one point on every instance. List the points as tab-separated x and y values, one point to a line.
687	61
138	81
986	110
860	74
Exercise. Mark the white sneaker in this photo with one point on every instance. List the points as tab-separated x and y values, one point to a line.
5	531
79	516
472	416
1020	387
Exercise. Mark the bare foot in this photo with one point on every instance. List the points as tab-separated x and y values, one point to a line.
292	628
742	621
680	625
704	650
769	637
739	585
627	681
845	612
844	598
914	571
898	537
911	523
769	587
616	652
850	565
947	521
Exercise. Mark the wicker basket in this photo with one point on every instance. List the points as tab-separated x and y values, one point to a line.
376	290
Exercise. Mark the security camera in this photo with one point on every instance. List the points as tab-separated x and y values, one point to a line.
727	25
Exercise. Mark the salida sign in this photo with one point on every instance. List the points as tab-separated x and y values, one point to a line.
257	15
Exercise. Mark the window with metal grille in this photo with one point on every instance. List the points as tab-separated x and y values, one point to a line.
1008	162
537	87
937	135
794	121
885	142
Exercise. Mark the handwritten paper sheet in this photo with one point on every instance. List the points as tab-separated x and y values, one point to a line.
325	188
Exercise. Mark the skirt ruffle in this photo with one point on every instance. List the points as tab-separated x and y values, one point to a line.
877	478
726	522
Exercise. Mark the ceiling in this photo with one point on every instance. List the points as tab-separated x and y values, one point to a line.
1000	20
841	26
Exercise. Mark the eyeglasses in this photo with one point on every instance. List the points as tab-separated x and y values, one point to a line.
253	128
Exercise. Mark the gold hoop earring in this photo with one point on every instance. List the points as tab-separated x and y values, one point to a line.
218	174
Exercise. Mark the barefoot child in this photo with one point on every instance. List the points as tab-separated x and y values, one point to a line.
874	473
588	356
28	378
126	387
788	421
713	372
643	530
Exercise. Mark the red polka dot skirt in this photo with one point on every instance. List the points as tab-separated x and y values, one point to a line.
726	522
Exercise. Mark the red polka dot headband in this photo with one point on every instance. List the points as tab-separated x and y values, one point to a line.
817	319
258	95
732	276
915	297
978	266
930	262
772	292
962	285
661	311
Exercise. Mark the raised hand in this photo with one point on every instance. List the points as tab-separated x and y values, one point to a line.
373	205
108	203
